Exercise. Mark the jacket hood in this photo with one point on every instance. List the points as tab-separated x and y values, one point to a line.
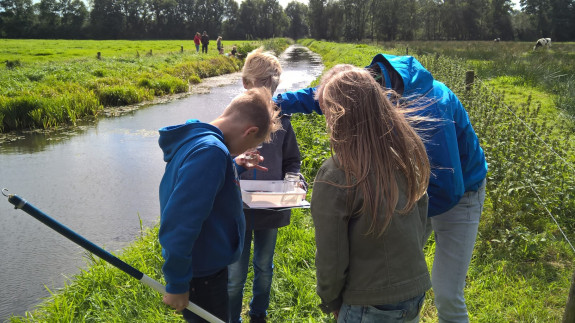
416	79
174	137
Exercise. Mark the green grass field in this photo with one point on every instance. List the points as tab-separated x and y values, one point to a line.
47	84
44	50
522	264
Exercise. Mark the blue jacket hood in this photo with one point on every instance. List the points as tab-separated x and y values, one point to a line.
416	79
174	137
457	160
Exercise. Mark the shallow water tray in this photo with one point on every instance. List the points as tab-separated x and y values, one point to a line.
259	194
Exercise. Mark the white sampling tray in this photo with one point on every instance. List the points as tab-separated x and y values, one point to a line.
259	194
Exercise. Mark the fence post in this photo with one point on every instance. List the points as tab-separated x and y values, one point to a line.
181	49
569	314
99	55
469	79
407	50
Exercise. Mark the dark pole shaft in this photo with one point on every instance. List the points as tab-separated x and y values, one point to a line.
20	203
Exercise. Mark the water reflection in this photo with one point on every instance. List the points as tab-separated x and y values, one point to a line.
99	179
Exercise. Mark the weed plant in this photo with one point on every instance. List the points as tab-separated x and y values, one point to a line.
521	268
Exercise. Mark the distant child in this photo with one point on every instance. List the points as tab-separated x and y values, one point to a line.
202	223
234	51
219	45
205	40
281	155
197	40
369	204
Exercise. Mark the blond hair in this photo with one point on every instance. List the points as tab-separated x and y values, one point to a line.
255	107
261	69
373	142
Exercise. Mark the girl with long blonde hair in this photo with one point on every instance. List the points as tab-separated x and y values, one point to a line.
369	203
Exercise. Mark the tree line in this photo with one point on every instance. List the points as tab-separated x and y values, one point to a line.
336	20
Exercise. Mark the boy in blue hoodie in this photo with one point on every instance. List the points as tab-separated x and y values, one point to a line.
202	224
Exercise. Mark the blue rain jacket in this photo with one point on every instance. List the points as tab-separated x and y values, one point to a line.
457	161
202	225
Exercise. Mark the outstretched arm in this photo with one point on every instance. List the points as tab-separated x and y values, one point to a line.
300	101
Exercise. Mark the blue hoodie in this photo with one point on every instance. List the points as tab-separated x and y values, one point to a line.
202	223
457	161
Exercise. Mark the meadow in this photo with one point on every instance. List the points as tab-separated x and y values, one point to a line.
47	84
522	263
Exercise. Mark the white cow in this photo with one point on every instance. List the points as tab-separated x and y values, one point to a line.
542	42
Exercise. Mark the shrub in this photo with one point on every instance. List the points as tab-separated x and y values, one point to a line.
120	95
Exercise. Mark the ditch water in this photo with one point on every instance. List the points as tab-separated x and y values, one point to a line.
100	180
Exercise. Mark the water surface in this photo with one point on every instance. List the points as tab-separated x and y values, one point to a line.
99	180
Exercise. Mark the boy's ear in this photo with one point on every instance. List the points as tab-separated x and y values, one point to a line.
246	84
253	130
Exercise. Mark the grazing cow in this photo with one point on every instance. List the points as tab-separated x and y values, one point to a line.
497	40
542	42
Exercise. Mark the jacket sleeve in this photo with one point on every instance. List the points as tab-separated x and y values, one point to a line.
300	101
291	161
446	186
189	205
328	209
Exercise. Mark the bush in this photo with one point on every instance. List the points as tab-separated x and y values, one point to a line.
120	95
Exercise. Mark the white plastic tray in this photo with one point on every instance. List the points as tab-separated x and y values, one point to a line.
259	194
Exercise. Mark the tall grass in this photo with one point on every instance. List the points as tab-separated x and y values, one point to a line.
521	268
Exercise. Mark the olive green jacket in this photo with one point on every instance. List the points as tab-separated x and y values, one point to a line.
356	268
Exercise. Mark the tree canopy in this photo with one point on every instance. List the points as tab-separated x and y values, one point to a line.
339	20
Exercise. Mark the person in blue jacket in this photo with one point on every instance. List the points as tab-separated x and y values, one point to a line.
202	223
458	166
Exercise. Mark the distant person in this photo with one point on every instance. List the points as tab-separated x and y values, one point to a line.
234	51
202	224
197	40
457	185
369	204
219	45
281	155
205	42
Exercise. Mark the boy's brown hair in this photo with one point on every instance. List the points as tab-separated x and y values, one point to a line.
255	107
261	69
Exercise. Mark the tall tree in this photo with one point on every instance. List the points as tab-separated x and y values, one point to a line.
16	18
230	23
74	16
539	12
562	19
317	18
501	19
48	18
249	21
106	19
297	13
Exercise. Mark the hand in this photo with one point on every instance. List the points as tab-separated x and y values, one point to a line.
335	314
177	301
250	160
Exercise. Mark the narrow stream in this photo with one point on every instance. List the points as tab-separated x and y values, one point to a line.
99	180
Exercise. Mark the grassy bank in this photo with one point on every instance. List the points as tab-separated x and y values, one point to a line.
45	84
521	266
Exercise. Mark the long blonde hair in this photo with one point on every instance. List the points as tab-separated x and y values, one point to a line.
261	69
372	137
